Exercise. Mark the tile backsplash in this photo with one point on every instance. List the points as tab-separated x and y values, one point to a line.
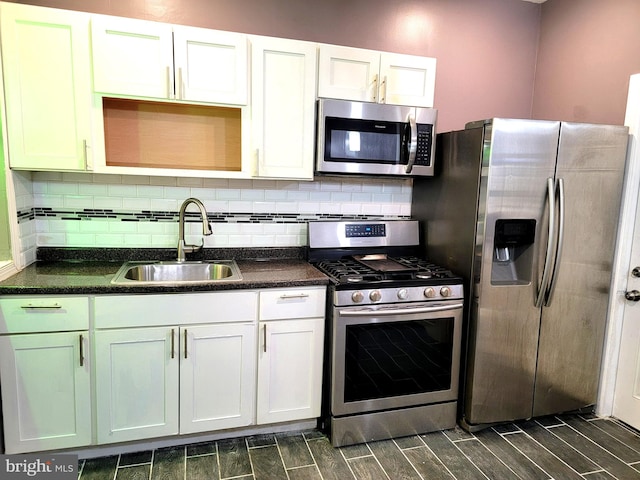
92	210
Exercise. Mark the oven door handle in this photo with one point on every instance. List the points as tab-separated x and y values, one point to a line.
398	311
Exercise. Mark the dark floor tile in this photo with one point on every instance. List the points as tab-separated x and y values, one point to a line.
204	467
267	463
367	468
486	461
599	476
606	441
135	458
354	451
457	433
168	463
506	428
135	472
452	457
599	455
548	462
304	473
512	457
619	431
103	468
294	450
329	460
203	448
560	449
262	440
409	442
234	458
312	434
392	460
427	464
549	421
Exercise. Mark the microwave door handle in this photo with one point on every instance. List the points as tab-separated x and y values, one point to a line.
413	142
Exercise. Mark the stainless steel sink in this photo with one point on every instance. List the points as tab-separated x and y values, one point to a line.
173	273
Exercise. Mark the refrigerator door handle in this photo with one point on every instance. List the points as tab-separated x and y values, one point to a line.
542	288
559	242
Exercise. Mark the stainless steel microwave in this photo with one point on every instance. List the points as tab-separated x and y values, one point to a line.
375	139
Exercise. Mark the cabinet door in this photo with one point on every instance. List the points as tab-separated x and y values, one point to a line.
407	80
217	376
211	66
283	107
46	393
136	383
132	57
348	73
289	370
47	86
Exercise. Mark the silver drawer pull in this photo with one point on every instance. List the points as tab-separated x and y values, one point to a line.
296	295
33	306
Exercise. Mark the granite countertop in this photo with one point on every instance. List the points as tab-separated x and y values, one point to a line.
89	271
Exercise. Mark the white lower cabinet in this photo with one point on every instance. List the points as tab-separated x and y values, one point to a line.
168	379
217	377
136	384
290	354
46	390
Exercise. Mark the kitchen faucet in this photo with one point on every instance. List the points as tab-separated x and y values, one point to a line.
206	228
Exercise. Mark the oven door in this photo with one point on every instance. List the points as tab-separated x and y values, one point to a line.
393	356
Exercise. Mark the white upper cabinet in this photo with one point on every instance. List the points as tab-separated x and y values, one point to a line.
136	58
132	57
283	107
211	66
371	76
47	87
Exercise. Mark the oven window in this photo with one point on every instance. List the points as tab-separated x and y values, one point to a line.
398	358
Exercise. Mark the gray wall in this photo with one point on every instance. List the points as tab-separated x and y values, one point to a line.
486	49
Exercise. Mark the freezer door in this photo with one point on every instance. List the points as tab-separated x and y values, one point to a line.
591	161
518	158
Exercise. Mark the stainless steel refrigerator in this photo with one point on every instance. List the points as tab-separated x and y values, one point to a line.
526	212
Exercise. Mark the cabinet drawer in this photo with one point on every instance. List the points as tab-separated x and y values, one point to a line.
116	311
292	303
43	314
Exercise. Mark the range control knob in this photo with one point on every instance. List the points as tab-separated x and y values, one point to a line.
375	296
445	291
403	294
429	292
357	296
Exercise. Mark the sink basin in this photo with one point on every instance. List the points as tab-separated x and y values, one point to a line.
172	273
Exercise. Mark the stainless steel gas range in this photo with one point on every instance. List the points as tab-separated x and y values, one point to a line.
393	332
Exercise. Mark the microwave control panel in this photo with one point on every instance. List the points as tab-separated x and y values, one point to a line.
423	144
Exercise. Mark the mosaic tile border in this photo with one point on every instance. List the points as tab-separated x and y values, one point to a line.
88	214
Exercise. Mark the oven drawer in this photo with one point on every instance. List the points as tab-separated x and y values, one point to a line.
305	302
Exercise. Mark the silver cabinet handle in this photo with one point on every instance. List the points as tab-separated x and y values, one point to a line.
179	85
31	306
551	198
286	296
374	88
559	242
264	339
173	343
169	89
81	342
383	88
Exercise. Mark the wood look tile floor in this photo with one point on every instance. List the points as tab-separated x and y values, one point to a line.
569	447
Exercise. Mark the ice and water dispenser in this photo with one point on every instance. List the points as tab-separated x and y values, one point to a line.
513	251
